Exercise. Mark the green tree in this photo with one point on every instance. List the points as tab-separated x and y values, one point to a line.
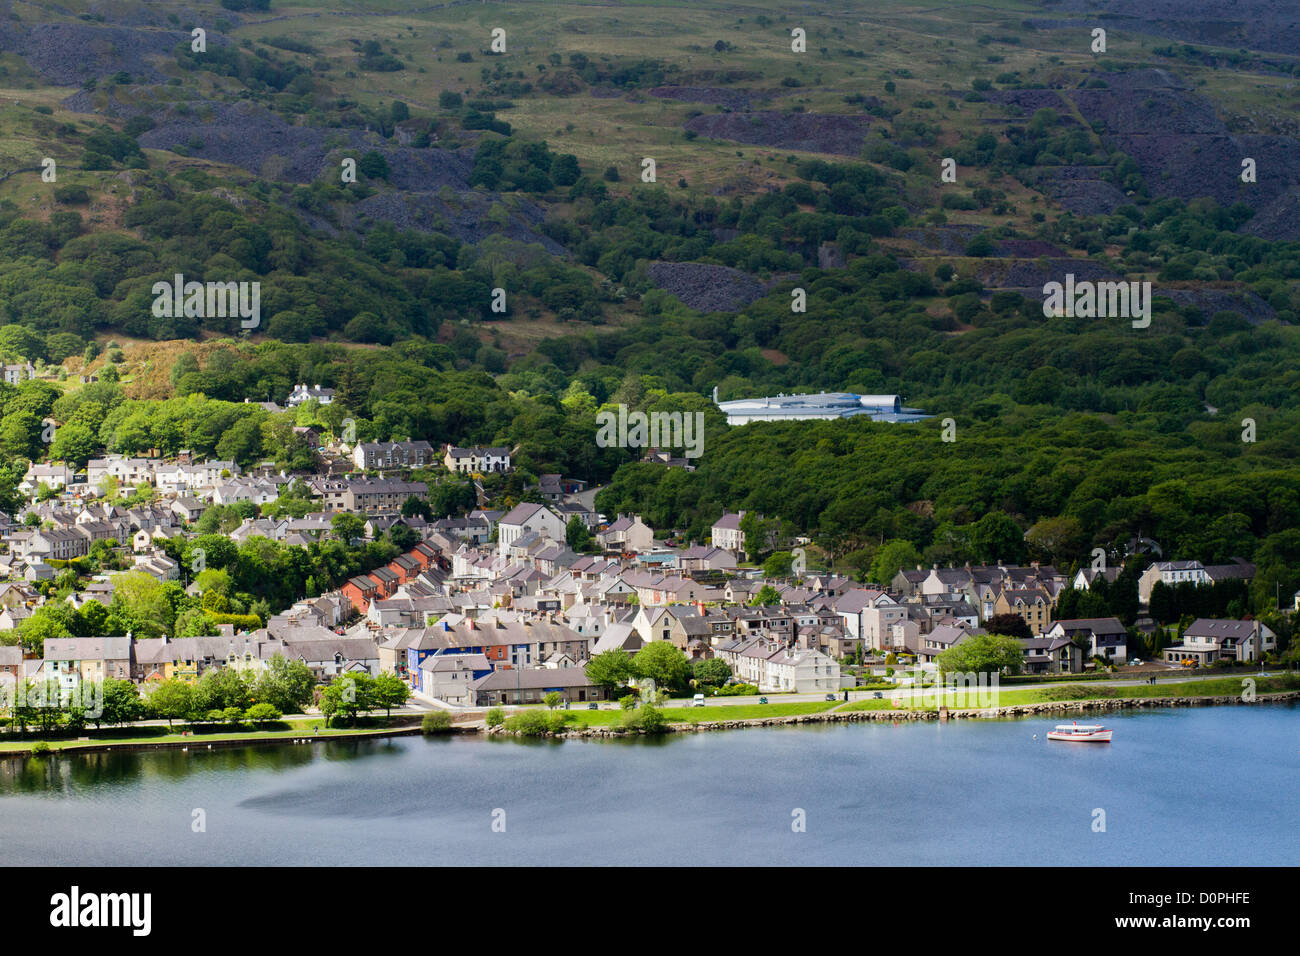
610	669
577	535
285	684
121	702
260	715
220	688
983	654
712	671
662	663
390	691
1009	624
778	564
347	527
893	557
173	700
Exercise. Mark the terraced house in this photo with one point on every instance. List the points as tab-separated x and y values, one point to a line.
774	667
393	454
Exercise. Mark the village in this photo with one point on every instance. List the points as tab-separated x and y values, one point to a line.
493	607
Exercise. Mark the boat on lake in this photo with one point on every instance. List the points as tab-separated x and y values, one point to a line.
1081	733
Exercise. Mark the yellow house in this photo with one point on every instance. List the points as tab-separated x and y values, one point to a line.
1032	605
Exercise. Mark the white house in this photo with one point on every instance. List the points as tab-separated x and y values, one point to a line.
1207	640
774	667
1106	636
1170	573
871	616
302	393
726	533
526	517
56	476
477	459
626	533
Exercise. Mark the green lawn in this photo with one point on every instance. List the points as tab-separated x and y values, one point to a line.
196	740
693	715
1214	687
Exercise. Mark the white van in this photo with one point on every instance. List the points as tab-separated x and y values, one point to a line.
698	701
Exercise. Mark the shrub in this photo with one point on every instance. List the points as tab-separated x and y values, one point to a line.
71	195
436	722
646	718
263	714
530	723
41	747
495	717
652	720
557	720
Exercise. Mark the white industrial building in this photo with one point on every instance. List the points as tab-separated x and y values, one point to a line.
822	406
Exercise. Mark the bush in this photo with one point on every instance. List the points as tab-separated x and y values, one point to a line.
41	747
436	722
496	717
530	723
645	718
737	690
262	714
71	195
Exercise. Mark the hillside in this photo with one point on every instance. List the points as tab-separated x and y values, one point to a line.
380	169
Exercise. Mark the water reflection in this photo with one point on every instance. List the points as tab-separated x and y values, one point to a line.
57	773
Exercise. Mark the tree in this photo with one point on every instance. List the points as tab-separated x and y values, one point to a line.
1057	539
1012	625
712	672
759	534
390	691
121	702
764	596
173	700
983	654
262	714
577	535
347	695
142	600
415	505
347	527
892	557
778	564
552	700
373	165
610	669
221	688
662	663
286	684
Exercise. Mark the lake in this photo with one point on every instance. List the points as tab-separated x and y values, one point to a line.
1193	786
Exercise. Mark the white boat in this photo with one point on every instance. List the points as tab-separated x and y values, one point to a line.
1082	733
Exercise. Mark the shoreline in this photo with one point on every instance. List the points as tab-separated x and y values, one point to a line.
856	716
683	727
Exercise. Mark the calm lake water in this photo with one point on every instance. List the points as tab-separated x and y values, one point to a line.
1178	787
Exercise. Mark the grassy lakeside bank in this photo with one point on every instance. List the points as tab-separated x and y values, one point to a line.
1212	687
694	715
140	738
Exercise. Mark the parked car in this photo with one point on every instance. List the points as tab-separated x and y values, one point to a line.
762	700
697	700
830	696
593	706
1135	662
877	695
